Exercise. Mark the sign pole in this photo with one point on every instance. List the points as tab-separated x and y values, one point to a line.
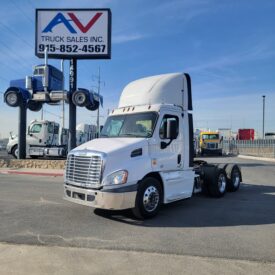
22	130
72	107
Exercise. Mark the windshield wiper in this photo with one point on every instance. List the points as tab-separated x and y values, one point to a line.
129	135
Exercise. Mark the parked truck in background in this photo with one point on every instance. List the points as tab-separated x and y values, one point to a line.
225	134
47	139
270	135
85	132
210	143
246	134
144	157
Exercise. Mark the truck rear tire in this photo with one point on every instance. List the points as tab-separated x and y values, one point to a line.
80	98
234	177
148	199
215	181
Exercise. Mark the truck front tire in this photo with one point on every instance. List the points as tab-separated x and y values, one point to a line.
13	98
93	107
34	106
14	151
148	199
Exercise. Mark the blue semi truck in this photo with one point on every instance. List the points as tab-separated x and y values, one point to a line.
46	86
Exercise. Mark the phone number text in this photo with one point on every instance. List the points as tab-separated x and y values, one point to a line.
51	48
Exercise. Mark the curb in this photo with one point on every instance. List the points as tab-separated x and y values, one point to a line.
256	158
32	173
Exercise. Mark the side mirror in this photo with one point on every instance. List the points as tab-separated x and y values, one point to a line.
172	129
29	129
171	133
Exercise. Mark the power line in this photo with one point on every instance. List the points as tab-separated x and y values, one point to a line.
52	114
13	55
16	34
23	12
31	3
3	78
11	68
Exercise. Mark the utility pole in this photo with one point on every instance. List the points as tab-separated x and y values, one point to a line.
99	82
263	115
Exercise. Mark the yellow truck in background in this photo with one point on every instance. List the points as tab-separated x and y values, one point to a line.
210	143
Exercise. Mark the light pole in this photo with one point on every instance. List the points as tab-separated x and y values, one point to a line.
263	114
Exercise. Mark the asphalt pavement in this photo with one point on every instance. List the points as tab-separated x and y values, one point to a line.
231	235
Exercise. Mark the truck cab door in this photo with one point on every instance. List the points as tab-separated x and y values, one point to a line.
169	157
169	161
35	133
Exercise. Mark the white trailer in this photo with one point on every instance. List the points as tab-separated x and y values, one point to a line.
144	157
85	132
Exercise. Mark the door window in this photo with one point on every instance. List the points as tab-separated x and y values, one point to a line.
163	125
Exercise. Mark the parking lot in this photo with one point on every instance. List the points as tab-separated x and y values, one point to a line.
240	226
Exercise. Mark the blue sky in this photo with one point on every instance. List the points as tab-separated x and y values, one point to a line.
228	48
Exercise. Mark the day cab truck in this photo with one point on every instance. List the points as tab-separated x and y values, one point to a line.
144	157
44	138
210	143
47	139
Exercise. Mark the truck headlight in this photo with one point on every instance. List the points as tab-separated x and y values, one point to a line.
118	177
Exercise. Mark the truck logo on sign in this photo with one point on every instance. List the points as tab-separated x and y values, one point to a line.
60	18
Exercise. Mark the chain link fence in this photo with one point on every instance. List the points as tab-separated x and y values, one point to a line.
260	147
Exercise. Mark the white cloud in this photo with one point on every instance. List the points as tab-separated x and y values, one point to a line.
118	39
258	52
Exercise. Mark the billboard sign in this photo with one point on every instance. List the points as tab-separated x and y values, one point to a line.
73	33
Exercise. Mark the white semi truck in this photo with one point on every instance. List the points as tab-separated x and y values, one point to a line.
47	139
144	157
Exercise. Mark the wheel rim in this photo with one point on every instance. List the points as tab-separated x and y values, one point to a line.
151	199
222	183
236	178
11	98
16	152
80	98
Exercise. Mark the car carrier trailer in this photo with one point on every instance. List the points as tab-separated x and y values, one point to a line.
145	155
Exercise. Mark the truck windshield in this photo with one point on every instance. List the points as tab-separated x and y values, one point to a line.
36	128
210	136
130	125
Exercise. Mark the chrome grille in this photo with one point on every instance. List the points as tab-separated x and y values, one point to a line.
84	171
212	145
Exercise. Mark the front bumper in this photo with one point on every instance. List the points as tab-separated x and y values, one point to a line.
211	151
8	148
100	199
